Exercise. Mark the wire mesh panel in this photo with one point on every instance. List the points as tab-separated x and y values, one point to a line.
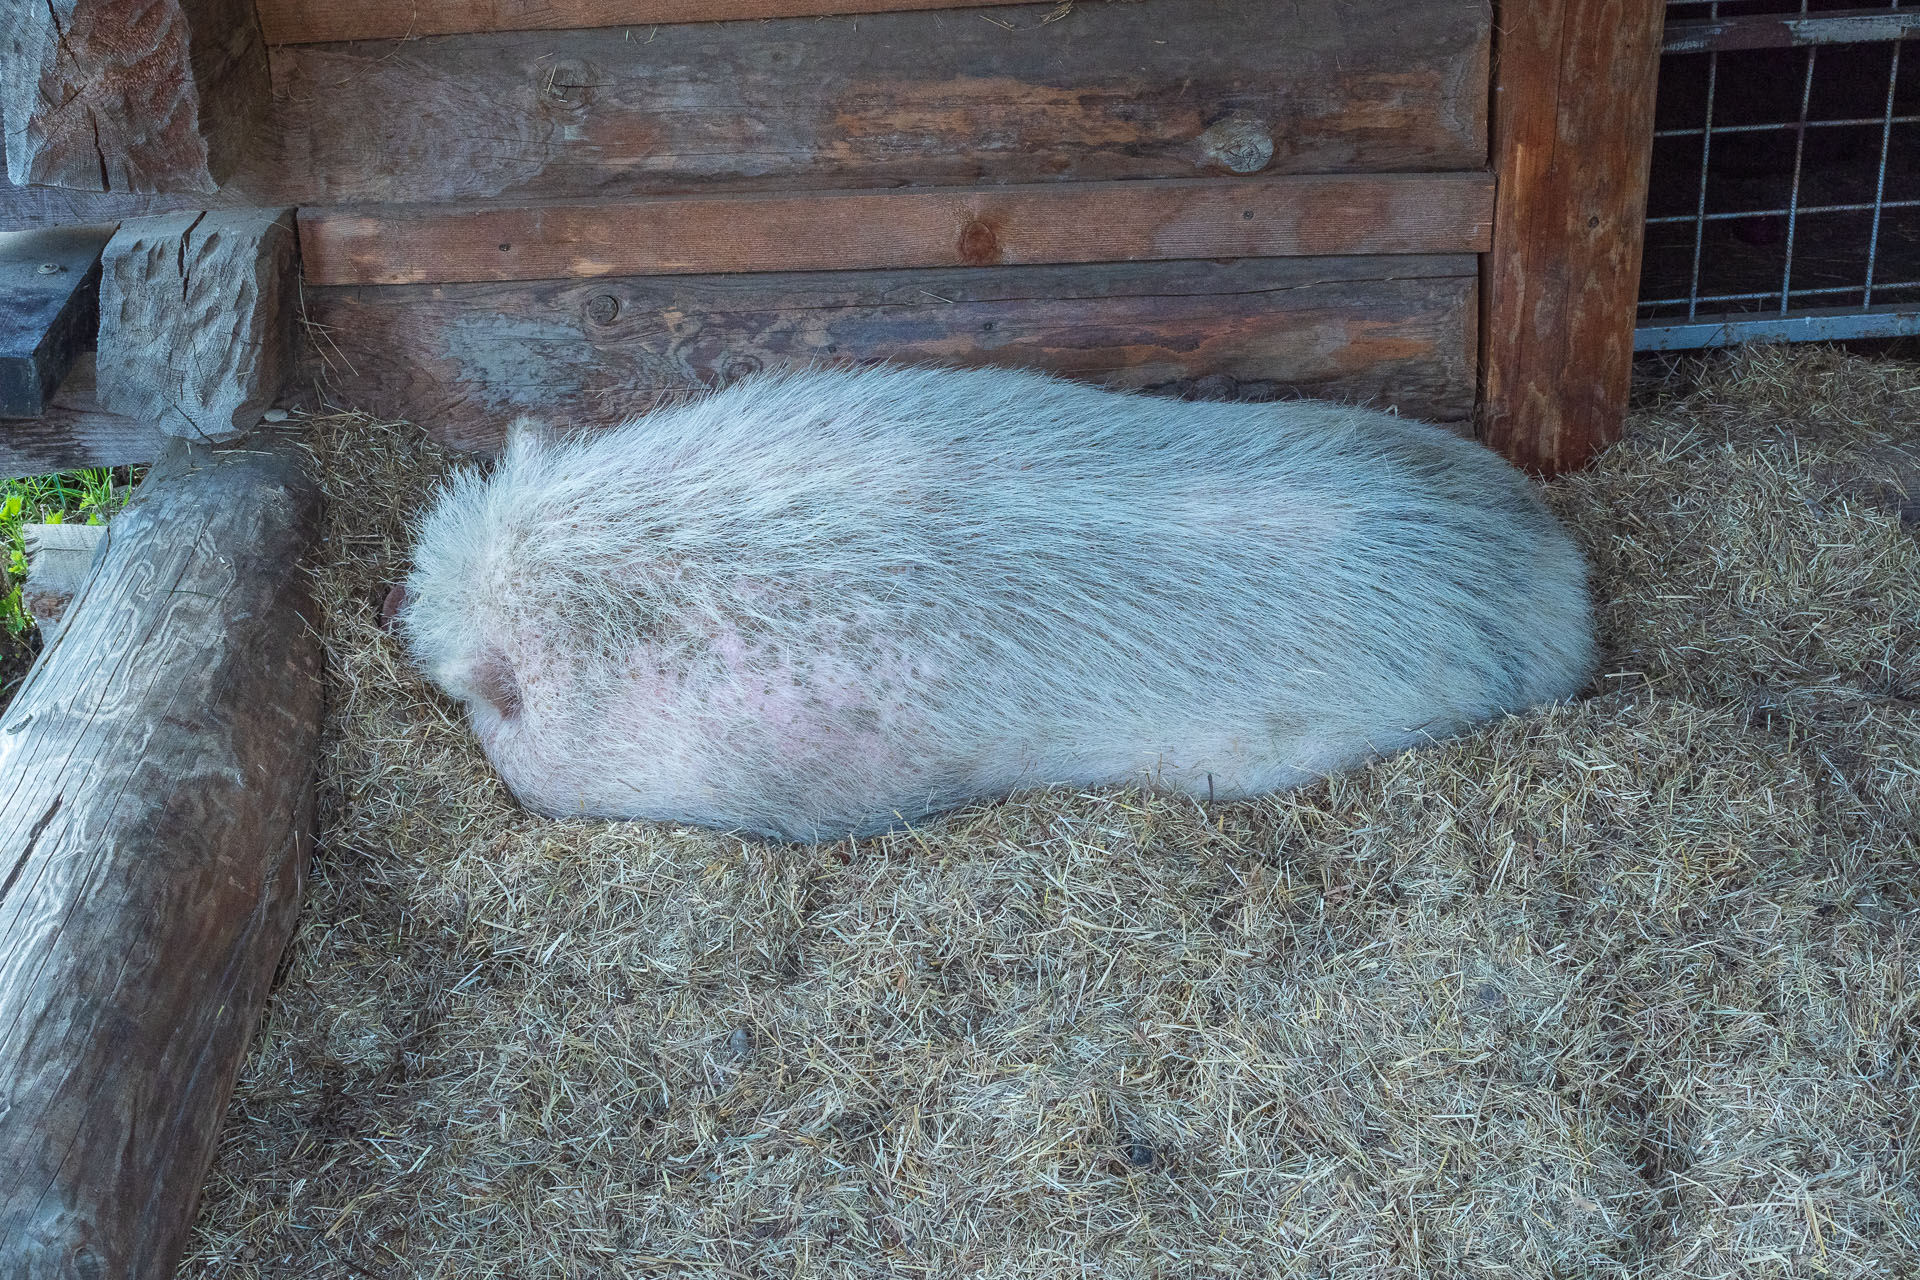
1784	202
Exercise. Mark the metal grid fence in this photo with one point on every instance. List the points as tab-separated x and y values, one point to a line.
1771	214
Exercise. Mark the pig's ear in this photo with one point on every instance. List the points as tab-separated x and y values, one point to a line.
390	607
526	431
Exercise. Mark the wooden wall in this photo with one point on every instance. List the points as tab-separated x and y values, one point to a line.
1221	194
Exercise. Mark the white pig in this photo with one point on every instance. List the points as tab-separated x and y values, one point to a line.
824	603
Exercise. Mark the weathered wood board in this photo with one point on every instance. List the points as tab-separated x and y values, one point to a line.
76	432
461	360
1572	138
317	21
134	96
196	319
156	809
49	311
1110	91
59	557
1402	213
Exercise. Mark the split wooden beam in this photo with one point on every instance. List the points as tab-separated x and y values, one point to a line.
1080	222
156	815
131	95
196	320
1572	127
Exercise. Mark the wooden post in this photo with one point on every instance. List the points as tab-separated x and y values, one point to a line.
130	95
196	320
1572	133
156	809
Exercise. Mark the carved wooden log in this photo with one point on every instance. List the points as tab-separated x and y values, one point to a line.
156	804
131	95
196	316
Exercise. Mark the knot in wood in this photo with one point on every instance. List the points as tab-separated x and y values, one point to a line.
1238	144
604	308
979	245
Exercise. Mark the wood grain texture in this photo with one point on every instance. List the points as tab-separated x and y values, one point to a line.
196	315
76	432
1572	136
1109	92
317	21
462	360
846	230
59	557
156	808
131	95
49	311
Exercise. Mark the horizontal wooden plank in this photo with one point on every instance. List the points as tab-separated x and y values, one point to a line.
1110	92
463	359
1789	30
49	311
75	432
317	21
979	226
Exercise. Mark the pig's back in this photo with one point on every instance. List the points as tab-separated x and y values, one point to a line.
843	599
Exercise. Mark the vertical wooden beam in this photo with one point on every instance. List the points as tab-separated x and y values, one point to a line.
196	320
156	809
1572	132
137	96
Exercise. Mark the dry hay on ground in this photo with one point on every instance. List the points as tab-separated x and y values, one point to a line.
1627	988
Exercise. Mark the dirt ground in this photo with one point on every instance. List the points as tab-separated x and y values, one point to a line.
1623	988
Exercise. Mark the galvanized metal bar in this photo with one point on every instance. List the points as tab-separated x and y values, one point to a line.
1839	325
1789	31
1880	179
1649	303
1706	155
1793	196
1719	130
1862	206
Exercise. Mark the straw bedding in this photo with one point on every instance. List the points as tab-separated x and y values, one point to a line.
1625	988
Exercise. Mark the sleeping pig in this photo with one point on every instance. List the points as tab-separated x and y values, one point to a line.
825	603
